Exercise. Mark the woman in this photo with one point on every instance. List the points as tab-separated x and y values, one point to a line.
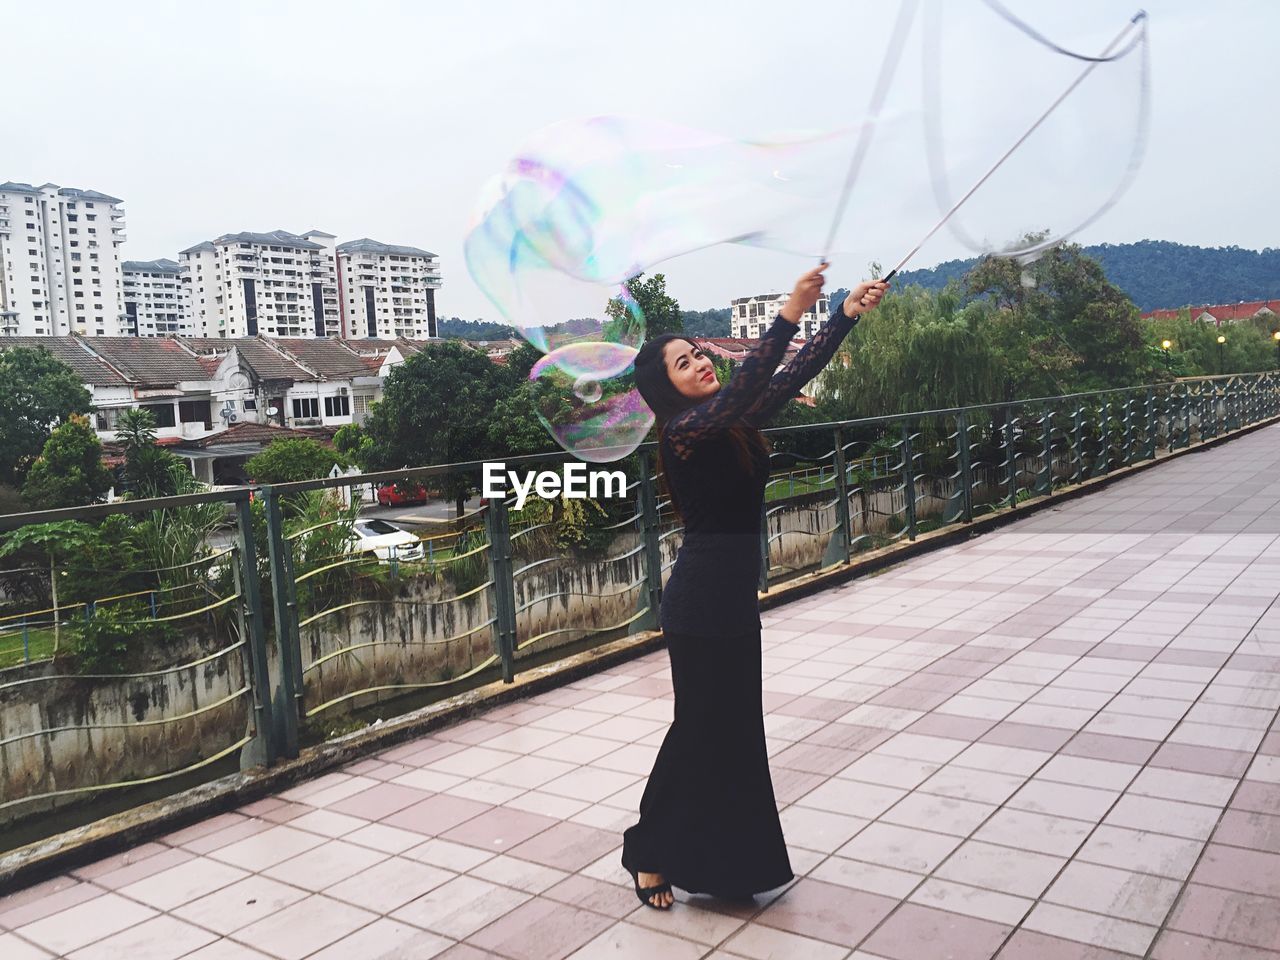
708	818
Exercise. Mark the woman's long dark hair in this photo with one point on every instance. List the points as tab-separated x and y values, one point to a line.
666	401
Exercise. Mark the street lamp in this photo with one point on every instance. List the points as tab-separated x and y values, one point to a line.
1221	341
1166	344
1276	337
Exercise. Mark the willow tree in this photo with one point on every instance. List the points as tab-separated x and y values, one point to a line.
917	351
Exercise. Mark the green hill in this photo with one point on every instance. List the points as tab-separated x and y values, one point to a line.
1157	273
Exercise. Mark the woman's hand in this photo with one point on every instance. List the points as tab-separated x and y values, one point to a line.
806	293
864	297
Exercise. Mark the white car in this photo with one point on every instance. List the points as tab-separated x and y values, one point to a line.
385	541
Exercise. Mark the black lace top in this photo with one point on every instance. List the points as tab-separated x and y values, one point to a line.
712	589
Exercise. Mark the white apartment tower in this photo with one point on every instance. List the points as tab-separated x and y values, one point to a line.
275	284
60	261
388	291
154	301
751	316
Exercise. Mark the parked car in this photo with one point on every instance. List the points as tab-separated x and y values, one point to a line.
400	494
385	541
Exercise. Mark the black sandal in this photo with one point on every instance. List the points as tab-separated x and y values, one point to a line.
644	893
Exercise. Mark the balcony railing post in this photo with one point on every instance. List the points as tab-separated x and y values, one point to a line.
908	481
287	668
1104	441
244	566
966	466
1045	481
1186	415
497	527
1152	426
1128	429
647	495
1011	451
1077	445
838	546
764	550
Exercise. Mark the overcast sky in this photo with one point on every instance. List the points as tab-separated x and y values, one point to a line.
383	119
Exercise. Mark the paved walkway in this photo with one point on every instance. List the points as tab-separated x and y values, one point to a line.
1057	735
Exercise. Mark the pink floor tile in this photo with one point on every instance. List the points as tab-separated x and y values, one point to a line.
914	931
566	846
540	930
436	814
499	829
379	802
827	912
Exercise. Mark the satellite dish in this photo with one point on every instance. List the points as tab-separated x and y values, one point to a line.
272	411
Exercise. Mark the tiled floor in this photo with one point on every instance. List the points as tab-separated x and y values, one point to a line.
1058	741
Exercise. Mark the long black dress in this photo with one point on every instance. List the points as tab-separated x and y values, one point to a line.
708	817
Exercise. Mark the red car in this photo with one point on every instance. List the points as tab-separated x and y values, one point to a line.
400	494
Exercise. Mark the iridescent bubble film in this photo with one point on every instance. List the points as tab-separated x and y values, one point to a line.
595	412
586	205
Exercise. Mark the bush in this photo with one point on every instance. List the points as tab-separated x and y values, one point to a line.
293	459
103	643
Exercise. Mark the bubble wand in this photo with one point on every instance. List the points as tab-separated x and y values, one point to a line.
1133	23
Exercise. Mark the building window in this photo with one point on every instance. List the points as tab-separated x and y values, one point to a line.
337	406
195	411
249	405
306	407
163	412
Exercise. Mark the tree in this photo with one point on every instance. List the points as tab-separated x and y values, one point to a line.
661	312
435	408
916	351
69	471
1059	325
55	542
716	322
148	469
37	392
292	459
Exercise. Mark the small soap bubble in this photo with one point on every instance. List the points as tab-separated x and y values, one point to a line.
587	390
585	396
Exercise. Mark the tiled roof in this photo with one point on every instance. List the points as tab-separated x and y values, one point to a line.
89	368
280	238
205	246
406	346
736	348
365	245
149	361
265	360
77	194
150	266
328	357
262	433
1243	310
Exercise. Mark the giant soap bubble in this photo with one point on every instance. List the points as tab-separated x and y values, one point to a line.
586	205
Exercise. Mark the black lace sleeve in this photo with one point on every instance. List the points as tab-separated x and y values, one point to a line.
735	398
813	356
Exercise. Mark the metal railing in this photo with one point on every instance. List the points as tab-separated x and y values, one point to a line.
373	631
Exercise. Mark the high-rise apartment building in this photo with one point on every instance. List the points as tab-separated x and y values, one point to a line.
388	291
276	284
154	300
60	261
751	316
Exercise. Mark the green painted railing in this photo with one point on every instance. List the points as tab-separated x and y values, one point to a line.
375	631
